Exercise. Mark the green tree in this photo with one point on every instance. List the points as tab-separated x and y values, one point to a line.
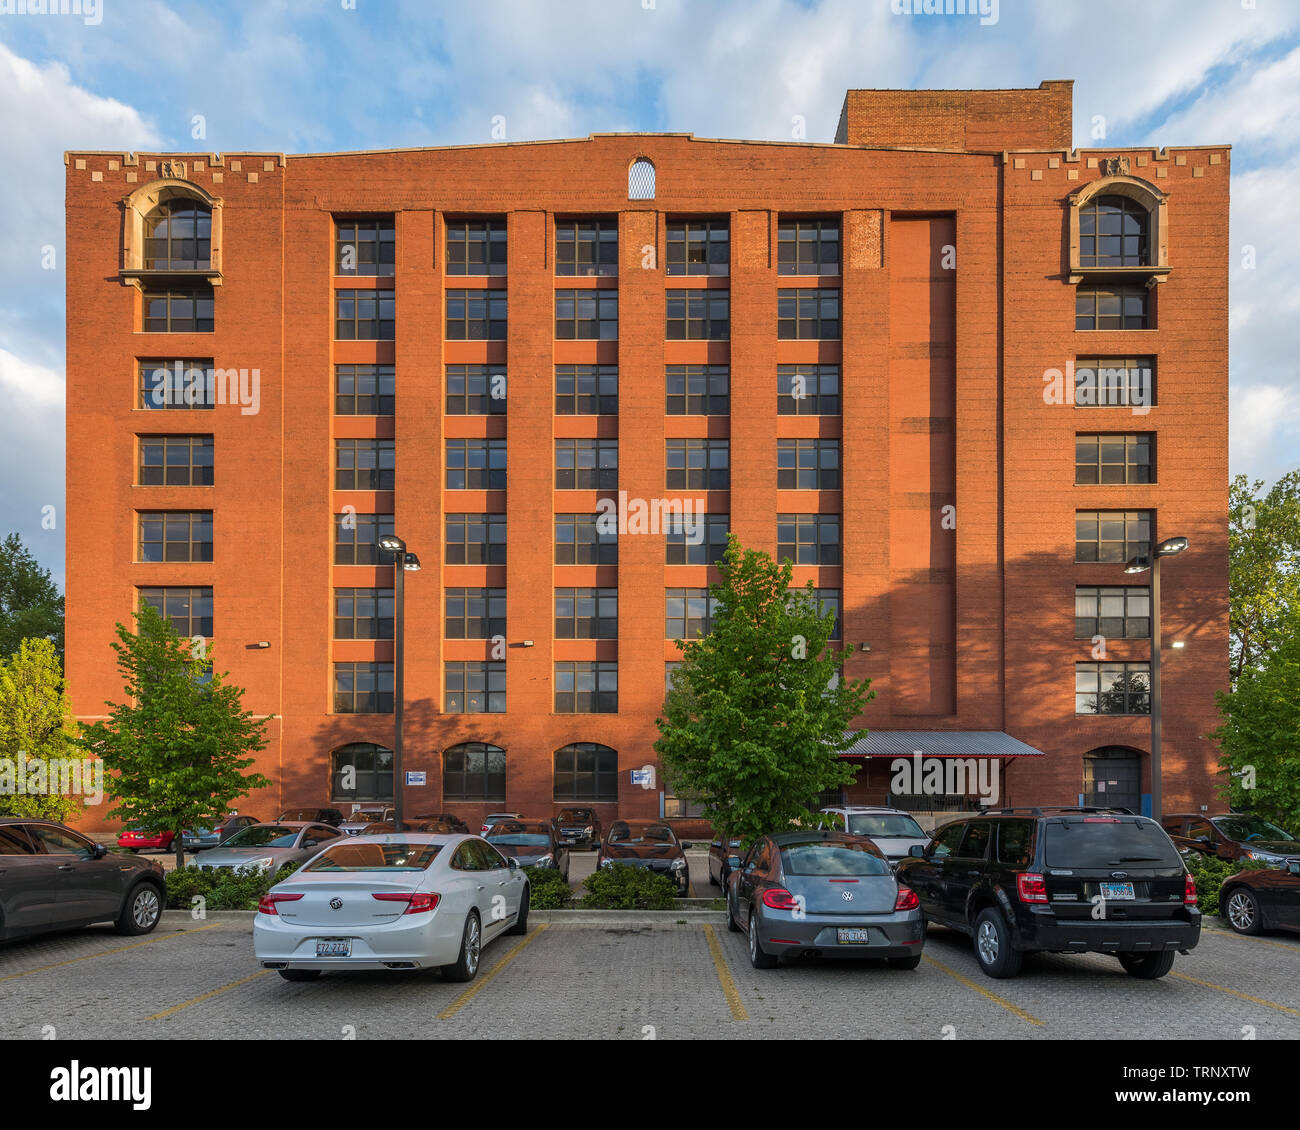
35	725
30	604
1263	566
1259	738
179	743
759	709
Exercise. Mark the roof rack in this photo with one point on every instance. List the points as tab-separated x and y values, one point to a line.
1037	810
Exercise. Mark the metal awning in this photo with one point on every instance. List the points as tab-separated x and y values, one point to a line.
939	743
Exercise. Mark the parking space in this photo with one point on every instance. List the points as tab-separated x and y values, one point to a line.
662	981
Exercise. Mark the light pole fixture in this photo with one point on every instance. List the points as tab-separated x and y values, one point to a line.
403	563
1140	564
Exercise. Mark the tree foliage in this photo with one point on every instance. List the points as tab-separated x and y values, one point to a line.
1263	566
30	604
35	725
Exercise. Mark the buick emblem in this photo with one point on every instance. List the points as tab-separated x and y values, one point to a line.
336	904
847	896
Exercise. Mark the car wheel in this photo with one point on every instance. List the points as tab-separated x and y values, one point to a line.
1242	912
141	911
521	922
993	945
1147	966
134	851
731	922
299	974
905	962
757	958
471	943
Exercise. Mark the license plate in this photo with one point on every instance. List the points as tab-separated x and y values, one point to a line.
334	948
1117	890
847	937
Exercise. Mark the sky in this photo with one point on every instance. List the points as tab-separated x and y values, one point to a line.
308	76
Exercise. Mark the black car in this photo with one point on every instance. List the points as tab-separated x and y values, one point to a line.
724	858
579	826
532	843
1268	899
1234	837
331	816
649	844
1062	880
52	878
456	824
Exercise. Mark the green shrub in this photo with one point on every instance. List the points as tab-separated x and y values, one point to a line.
547	889
221	889
628	888
1209	872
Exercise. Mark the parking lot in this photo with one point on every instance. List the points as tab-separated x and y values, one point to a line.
198	980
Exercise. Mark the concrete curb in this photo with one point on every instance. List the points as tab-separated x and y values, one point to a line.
185	918
628	917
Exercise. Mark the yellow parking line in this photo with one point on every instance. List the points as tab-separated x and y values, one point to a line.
105	953
207	996
724	976
1020	1012
1237	993
483	978
1216	933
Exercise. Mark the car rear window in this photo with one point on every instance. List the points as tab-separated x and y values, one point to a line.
830	857
885	824
1101	841
355	856
14	841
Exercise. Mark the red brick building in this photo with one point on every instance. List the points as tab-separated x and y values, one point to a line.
864	354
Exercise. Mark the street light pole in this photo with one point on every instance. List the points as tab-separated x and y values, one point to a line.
403	563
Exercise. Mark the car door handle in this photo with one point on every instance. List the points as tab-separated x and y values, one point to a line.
972	873
65	866
480	886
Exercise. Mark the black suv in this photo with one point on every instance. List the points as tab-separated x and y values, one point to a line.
1064	880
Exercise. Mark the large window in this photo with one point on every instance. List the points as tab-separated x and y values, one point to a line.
808	539
474	688
1113	232
828	600
365	315
582	539
698	390
475	539
586	390
476	247
585	771
365	464
178	236
176	461
1105	382
363	614
698	315
178	310
365	247
586	464
361	771
698	247
1112	688
175	535
356	537
476	390
808	247
586	247
808	313
808	390
808	464
365	390
586	688
689	614
1112	535
1112	308
586	315
474	771
586	614
476	464
1114	459
177	383
476	315
189	609
475	614
1117	612
363	688
698	464
700	539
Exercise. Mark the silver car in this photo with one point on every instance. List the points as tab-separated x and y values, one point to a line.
268	847
361	818
892	830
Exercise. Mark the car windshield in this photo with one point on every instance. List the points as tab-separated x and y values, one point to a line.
1250	828
300	814
831	857
575	815
1107	841
521	839
366	815
885	824
263	835
362	856
641	834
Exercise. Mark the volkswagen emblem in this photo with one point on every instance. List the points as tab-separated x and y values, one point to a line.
847	896
1119	874
336	903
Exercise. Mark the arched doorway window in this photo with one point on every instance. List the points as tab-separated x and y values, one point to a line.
585	771
1112	776
641	180
474	771
178	236
361	771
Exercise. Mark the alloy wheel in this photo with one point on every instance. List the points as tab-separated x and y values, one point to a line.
472	946
986	942
145	907
1240	911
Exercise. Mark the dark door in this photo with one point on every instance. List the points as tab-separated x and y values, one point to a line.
1112	778
751	879
88	889
28	882
925	876
965	867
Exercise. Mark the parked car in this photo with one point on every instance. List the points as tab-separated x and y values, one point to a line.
494	818
331	816
892	830
52	878
197	839
724	858
433	827
823	893
268	847
531	843
135	840
449	896
579	827
1064	880
457	824
360	818
649	844
1233	836
1269	899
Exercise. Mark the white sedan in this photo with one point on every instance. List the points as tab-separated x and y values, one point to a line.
395	901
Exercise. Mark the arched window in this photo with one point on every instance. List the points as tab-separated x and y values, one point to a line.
1114	231
361	771
586	771
474	771
178	236
641	180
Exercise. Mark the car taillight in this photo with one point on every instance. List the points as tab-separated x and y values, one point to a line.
266	904
483	831
1189	890
907	899
419	903
778	898
1031	887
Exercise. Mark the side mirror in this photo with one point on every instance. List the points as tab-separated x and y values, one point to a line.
687	845
98	851
514	863
916	851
